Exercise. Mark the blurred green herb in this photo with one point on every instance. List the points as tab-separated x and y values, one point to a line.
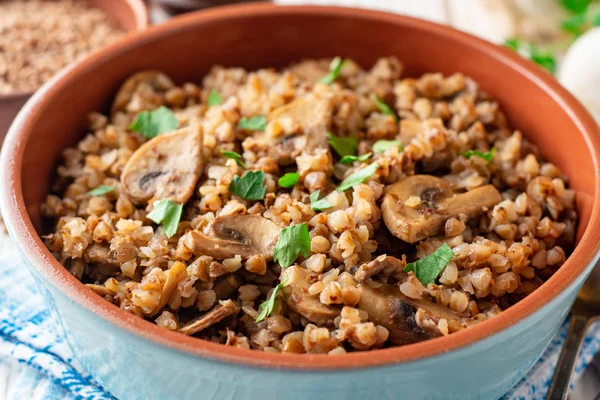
234	156
289	179
335	67
543	58
382	145
319	205
344	146
258	123
101	190
487	156
358	177
350	159
214	98
384	108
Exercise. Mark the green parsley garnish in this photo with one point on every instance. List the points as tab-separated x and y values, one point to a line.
258	123
487	156
234	156
167	212
335	67
292	241
289	179
214	98
357	177
351	159
100	190
384	108
382	145
344	146
427	269
153	123
544	59
250	186
266	307
317	204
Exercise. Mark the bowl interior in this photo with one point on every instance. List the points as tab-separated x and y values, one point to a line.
262	41
261	36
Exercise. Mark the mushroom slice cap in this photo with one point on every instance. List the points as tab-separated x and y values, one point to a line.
218	313
231	235
387	306
303	303
312	114
156	80
437	204
166	167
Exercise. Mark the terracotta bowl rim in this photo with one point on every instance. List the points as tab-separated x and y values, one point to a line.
31	246
141	18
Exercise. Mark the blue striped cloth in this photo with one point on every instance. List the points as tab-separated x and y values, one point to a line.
36	362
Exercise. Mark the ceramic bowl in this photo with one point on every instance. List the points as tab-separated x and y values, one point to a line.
130	15
135	359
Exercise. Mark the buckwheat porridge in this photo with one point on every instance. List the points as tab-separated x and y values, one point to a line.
322	208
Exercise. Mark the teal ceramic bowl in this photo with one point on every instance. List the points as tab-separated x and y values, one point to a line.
135	359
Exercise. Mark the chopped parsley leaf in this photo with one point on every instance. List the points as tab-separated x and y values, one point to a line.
382	145
289	179
344	146
292	241
153	123
335	67
167	212
267	306
427	269
258	123
234	156
350	159
101	190
357	177
214	98
317	204
250	186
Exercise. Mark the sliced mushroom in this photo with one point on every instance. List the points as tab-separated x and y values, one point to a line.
303	303
390	264
175	274
283	150
231	235
313	114
407	320
155	80
218	313
100	289
166	167
437	204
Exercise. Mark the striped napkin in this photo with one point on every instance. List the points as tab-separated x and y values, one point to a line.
36	362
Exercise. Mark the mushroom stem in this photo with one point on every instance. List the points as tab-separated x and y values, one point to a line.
221	311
